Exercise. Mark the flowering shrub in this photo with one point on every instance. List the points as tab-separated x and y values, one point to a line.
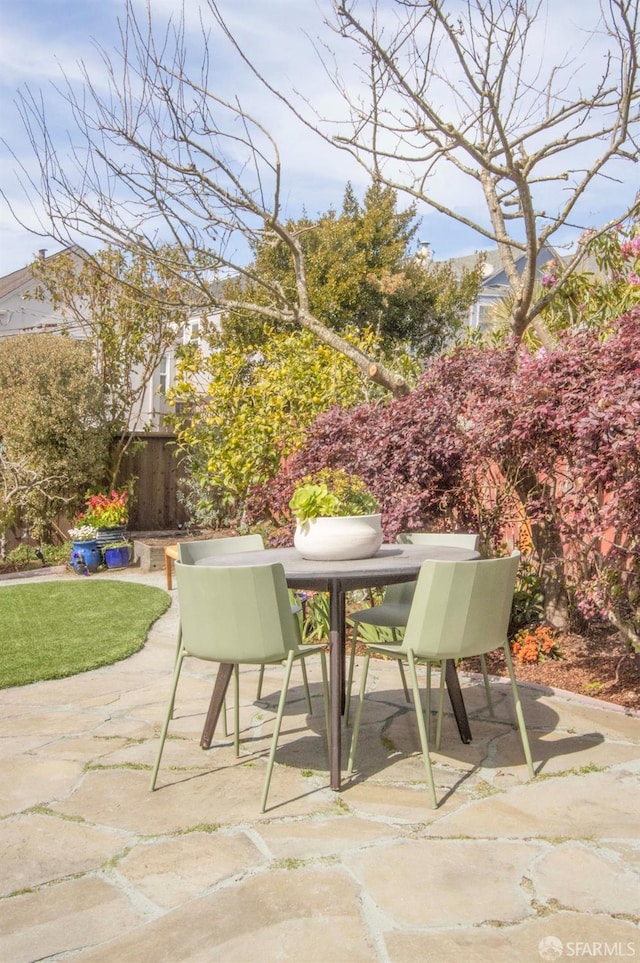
84	533
595	299
106	511
535	644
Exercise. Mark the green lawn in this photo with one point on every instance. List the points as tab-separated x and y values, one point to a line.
49	630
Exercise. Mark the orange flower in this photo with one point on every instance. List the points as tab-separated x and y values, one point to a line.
534	645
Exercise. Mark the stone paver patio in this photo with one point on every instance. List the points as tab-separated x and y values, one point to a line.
96	868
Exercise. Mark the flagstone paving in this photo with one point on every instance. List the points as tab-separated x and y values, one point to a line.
95	867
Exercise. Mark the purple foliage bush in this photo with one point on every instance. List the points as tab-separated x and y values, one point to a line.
544	445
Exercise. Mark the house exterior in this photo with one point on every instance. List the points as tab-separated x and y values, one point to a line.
495	287
21	313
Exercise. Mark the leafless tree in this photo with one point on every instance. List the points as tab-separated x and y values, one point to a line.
160	157
460	91
454	91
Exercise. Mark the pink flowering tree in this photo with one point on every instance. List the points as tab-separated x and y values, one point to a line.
607	286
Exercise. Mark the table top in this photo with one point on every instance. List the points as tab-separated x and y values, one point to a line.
391	563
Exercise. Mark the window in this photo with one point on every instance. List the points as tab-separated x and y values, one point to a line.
192	331
164	372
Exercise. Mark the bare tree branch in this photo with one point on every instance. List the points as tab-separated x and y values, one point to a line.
467	93
160	153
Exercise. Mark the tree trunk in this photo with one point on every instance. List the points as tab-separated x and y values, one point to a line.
548	546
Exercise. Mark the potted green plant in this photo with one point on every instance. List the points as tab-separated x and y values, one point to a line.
336	517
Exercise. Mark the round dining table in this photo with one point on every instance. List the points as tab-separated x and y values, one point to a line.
391	564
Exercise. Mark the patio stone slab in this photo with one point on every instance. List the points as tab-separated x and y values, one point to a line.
584	878
48	724
562	936
592	806
25	784
104	870
172	871
120	798
299	914
445	882
320	837
37	849
63	918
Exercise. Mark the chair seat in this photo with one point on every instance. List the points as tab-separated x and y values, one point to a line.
386	615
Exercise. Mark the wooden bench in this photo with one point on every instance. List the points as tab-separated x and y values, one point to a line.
170	556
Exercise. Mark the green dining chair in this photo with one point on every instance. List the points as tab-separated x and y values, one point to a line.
393	611
459	609
239	616
192	551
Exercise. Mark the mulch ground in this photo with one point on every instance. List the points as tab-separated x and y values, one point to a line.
599	664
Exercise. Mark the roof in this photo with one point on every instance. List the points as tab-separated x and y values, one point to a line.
18	279
494	272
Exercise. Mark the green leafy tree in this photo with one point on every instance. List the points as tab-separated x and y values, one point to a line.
243	411
53	442
359	272
130	309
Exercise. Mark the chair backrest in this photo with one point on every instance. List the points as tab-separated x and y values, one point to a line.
190	552
461	539
402	594
235	614
461	609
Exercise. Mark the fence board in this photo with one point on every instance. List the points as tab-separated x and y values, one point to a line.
158	472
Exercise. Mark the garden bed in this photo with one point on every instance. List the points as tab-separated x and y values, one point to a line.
597	664
148	547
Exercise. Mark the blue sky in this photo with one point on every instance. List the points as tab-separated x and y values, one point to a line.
41	38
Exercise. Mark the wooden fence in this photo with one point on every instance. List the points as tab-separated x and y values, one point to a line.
158	473
154	506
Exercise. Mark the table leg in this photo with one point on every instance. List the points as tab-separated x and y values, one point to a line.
336	678
457	702
170	556
225	671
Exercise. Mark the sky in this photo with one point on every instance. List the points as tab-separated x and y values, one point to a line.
41	41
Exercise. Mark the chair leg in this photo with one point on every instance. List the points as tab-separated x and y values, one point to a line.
165	727
276	731
427	700
422	730
356	721
487	687
325	696
443	668
225	727
178	647
236	709
260	681
306	686
519	714
404	683
352	662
